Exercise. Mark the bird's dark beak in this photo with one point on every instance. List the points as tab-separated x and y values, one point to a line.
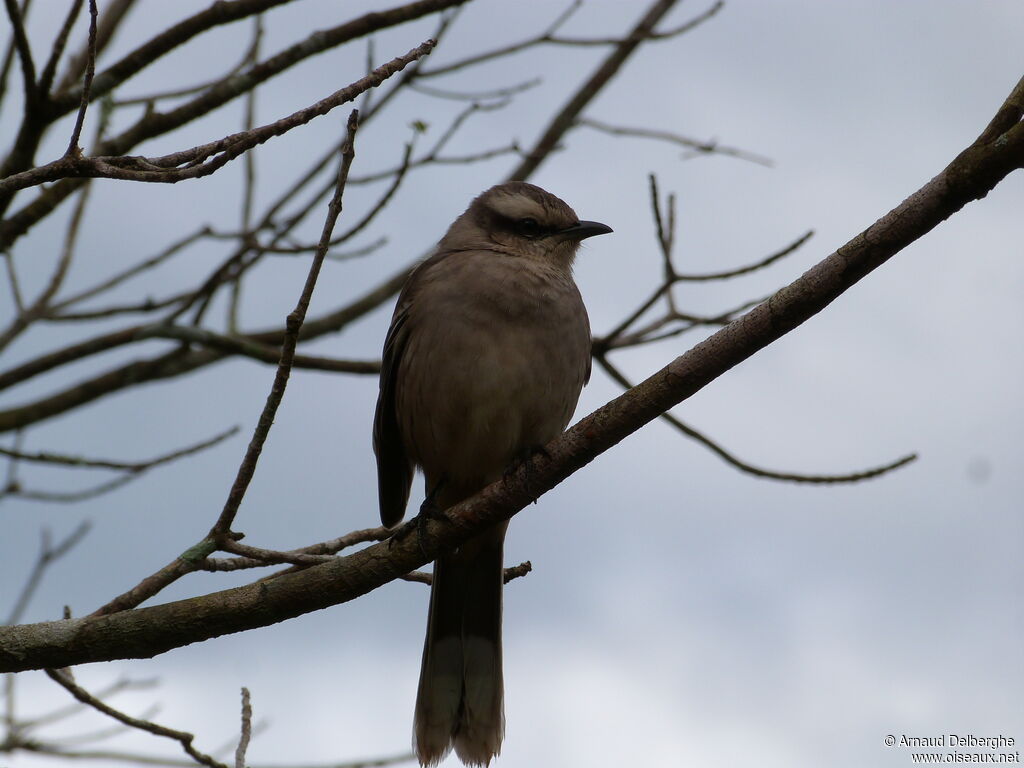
584	229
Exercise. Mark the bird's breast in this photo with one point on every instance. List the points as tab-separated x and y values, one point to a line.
491	372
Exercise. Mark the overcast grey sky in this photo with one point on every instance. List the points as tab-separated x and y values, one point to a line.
679	613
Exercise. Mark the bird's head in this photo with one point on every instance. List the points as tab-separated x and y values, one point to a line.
524	220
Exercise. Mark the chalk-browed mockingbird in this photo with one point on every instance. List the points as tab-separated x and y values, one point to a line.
487	352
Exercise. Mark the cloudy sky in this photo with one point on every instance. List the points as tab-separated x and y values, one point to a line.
680	612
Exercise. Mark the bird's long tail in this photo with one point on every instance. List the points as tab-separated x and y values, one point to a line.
459	702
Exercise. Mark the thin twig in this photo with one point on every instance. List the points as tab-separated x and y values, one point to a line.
445	20
69	497
247	469
48	554
543	37
62	678
137	269
565	117
63	713
435	159
698	147
371	51
508	574
148	304
852	477
322	548
190	560
272	557
101	734
204	159
652	332
250	57
249	174
12	280
5	68
152	123
770	259
155	582
21	45
73	149
367	218
57	49
38	309
246	734
356	253
114	14
493	93
254	349
219	14
125	466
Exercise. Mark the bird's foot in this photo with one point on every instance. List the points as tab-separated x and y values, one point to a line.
429	510
525	460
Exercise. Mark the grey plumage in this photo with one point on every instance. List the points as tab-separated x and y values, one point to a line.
487	352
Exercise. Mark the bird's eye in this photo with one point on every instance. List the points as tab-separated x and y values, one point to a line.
528	227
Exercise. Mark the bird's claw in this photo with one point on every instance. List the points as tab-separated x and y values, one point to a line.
525	460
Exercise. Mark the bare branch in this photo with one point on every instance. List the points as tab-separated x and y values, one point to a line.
771	259
432	158
497	53
548	37
59	43
243	740
12	280
249	57
133	467
699	147
323	548
249	175
148	304
652	332
48	554
73	149
63	679
379	206
114	13
356	253
8	59
204	159
155	123
665	223
63	713
66	497
509	574
272	557
493	93
667	34
101	734
224	13
147	264
220	532
254	349
221	529
167	365
39	307
183	564
445	20
24	50
852	477
565	118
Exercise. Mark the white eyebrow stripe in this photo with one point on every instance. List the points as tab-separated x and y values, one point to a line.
517	207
